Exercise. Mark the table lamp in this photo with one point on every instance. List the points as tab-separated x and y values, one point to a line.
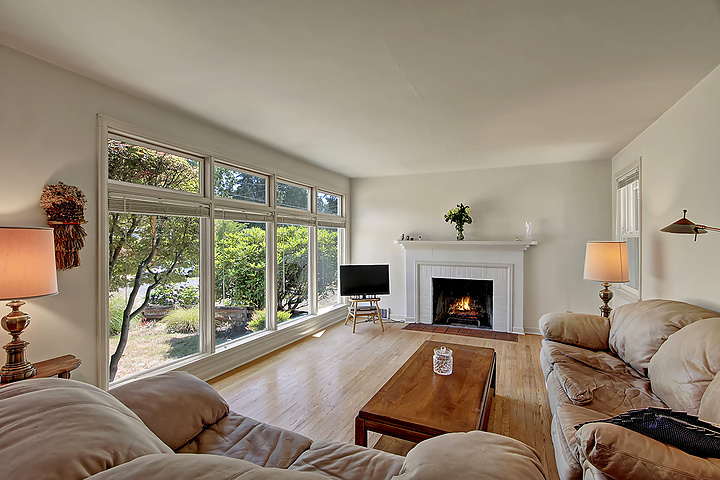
27	270
606	262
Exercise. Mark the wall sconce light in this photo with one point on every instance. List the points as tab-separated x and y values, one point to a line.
606	262
27	270
684	225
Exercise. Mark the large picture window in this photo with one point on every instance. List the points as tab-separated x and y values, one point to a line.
189	241
240	271
292	270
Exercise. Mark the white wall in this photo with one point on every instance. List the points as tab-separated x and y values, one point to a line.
568	205
48	133
681	169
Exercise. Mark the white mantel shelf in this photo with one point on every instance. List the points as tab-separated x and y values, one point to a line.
466	244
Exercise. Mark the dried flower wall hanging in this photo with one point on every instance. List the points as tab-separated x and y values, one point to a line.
65	209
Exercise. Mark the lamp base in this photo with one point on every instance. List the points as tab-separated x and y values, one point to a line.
16	366
606	295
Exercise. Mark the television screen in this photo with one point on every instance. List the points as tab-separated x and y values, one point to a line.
356	280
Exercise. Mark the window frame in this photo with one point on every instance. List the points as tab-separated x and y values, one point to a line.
218	208
619	231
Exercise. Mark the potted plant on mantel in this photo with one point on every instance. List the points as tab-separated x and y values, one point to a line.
459	215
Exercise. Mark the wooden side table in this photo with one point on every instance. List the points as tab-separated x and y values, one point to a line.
372	311
56	367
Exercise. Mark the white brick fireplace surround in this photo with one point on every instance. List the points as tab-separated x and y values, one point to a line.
498	261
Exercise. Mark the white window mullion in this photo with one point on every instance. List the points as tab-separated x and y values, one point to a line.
271	284
312	270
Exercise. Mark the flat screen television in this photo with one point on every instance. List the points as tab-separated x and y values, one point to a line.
364	280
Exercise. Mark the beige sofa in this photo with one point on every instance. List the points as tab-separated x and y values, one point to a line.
654	353
176	427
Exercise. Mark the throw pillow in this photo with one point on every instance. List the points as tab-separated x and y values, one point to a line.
686	432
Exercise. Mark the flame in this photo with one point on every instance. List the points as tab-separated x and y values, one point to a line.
463	304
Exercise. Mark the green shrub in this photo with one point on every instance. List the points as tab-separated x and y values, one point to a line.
182	320
117	307
258	320
169	295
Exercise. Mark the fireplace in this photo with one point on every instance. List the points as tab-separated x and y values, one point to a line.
498	261
462	302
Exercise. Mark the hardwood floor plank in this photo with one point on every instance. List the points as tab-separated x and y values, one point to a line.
316	386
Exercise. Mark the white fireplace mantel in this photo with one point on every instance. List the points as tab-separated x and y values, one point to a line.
499	261
467	244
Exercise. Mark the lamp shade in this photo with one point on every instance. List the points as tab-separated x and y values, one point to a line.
607	262
684	225
27	263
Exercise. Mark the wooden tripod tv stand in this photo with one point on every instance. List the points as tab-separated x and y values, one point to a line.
356	310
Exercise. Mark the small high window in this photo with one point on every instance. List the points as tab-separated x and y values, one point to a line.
239	185
328	203
151	166
293	196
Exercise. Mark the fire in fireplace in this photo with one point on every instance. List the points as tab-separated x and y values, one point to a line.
463	302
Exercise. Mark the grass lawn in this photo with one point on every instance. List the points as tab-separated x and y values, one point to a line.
149	346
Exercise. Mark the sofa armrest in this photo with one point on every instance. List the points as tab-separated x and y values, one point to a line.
621	453
579	329
473	454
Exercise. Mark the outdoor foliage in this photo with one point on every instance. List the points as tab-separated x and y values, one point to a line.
182	320
293	196
240	263
257	323
117	306
327	203
145	166
175	295
230	183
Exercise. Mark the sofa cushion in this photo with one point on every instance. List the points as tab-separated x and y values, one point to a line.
596	379
241	437
602	361
175	405
685	364
346	461
622	453
637	330
710	402
583	330
469	455
197	467
79	429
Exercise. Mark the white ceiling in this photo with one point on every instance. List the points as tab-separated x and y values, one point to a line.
387	87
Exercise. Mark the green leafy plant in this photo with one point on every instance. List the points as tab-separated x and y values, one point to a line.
182	320
117	307
170	295
460	215
258	319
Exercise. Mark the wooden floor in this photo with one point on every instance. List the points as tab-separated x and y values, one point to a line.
316	386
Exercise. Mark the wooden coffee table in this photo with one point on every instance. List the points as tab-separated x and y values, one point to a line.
416	404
